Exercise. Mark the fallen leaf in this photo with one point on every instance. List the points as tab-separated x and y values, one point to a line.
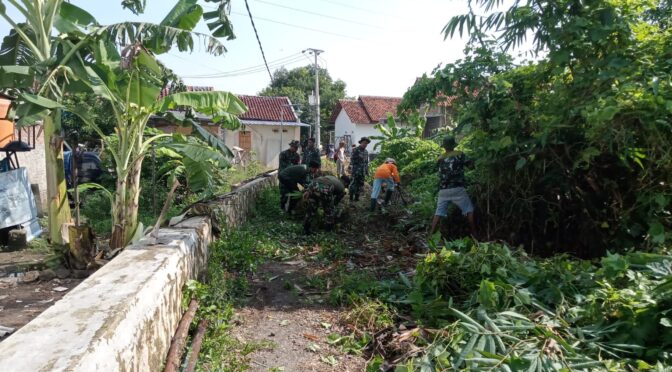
330	360
284	323
325	325
313	347
311	337
60	289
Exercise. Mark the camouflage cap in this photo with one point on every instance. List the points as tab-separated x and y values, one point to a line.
294	143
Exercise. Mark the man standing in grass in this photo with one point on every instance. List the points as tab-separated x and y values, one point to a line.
359	168
451	186
311	153
290	156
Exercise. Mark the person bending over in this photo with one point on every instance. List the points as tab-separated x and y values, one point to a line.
386	174
289	179
327	192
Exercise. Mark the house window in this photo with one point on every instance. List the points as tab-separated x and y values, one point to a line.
245	140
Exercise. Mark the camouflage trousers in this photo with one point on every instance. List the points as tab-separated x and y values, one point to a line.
356	184
323	196
287	188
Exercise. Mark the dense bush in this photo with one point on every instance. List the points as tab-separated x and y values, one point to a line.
571	151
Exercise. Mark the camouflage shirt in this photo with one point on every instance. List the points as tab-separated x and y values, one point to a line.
311	154
288	158
451	170
359	161
326	185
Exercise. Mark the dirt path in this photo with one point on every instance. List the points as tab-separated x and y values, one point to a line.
291	323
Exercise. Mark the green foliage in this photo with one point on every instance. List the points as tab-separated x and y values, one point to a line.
393	131
501	308
570	151
299	83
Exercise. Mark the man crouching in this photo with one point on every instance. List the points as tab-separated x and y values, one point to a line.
326	191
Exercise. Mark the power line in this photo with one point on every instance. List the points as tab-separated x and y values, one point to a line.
291	58
320	14
248	71
361	9
304	28
258	40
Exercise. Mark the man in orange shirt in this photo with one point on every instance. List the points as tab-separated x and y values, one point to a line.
387	174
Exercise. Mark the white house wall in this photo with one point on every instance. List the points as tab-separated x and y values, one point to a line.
266	144
343	125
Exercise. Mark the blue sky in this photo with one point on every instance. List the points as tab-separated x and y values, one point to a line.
377	47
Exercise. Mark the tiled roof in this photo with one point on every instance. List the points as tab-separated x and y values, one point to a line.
268	108
378	107
366	109
353	108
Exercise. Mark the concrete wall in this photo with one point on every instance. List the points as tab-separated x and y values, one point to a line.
123	317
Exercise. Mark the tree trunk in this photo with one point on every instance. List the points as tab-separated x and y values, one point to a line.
57	197
125	220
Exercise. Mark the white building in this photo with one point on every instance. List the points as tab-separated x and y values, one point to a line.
355	119
268	126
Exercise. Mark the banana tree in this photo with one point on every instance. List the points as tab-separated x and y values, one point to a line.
131	81
32	60
37	58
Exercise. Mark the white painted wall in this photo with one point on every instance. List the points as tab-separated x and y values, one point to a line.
343	126
266	144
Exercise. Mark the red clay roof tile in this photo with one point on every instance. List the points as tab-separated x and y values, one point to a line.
366	109
378	107
267	108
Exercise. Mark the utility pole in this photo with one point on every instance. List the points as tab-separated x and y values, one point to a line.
316	52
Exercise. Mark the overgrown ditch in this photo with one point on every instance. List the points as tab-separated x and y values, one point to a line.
368	297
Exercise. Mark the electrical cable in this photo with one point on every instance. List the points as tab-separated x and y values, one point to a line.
275	63
305	28
246	72
361	9
319	14
258	40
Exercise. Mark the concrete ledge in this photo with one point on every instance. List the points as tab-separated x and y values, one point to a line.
123	317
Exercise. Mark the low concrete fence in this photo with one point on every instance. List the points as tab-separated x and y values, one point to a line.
123	317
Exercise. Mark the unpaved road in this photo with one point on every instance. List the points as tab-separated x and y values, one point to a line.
293	322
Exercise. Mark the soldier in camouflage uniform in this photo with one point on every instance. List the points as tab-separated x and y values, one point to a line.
311	153
290	156
359	167
326	191
451	186
292	176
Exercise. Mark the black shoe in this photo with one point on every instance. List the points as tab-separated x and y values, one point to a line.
306	229
373	205
388	196
329	227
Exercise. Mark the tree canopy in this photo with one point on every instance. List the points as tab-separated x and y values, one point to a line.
299	83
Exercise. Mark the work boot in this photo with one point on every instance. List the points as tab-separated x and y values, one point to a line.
329	227
306	228
388	196
373	205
